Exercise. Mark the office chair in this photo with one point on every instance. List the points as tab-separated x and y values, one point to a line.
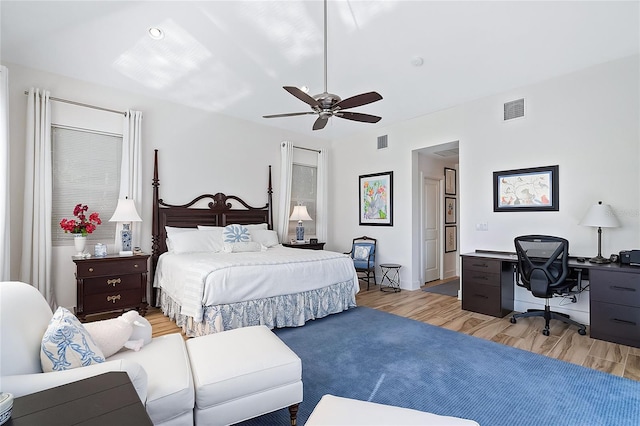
543	269
363	253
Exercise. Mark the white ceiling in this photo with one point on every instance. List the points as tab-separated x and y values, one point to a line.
233	57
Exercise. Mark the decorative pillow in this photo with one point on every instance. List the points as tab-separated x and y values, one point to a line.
361	253
66	344
111	335
265	237
198	241
243	247
141	330
236	233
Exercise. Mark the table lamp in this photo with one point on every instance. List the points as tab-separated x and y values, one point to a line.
600	216
125	213
300	213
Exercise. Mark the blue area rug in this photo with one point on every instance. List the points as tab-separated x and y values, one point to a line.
448	289
371	355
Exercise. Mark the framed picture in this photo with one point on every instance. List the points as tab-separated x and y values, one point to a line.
450	238
534	189
313	241
449	181
376	199
449	210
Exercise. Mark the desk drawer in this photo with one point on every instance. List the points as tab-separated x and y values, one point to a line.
113	300
480	264
472	277
110	284
615	323
616	287
484	299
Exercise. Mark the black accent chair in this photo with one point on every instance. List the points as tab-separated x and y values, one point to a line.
543	269
363	253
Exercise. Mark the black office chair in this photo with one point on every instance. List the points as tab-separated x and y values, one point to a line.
543	268
363	253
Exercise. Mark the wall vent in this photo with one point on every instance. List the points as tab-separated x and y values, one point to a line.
382	142
514	109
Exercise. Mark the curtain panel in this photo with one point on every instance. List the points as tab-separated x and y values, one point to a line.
286	171
5	210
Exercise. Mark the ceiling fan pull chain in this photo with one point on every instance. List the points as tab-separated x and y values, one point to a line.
325	46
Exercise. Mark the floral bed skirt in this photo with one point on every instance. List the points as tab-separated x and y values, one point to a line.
291	310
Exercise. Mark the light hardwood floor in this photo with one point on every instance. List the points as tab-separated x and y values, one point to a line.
444	311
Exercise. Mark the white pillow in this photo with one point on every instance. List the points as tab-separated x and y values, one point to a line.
257	226
243	247
66	344
198	241
361	253
265	237
110	335
236	233
210	228
173	231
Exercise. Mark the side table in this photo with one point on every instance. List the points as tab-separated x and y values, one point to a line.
307	246
390	274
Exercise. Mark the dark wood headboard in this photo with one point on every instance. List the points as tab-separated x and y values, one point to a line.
219	213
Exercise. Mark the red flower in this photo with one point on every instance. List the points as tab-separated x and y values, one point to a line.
81	225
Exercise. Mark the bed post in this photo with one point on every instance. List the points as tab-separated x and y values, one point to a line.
270	200
155	230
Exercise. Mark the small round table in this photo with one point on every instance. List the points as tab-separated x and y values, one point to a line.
390	274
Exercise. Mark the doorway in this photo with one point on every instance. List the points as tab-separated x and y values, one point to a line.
431	229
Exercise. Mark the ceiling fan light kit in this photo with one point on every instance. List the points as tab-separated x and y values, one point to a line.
327	105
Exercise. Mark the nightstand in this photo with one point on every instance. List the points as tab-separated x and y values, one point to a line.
307	246
111	283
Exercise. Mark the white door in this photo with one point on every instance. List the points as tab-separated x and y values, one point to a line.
431	232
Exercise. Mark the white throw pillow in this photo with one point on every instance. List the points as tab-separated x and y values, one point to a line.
172	231
265	237
66	344
259	226
110	335
243	247
236	233
198	241
361	253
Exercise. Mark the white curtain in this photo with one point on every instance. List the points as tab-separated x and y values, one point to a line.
5	229
130	171
286	170
36	230
322	207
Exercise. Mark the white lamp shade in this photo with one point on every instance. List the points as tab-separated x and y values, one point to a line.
125	212
300	213
600	215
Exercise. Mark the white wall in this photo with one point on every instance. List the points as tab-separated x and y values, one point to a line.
199	152
585	122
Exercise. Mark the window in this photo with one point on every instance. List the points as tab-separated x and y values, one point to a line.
304	185
86	169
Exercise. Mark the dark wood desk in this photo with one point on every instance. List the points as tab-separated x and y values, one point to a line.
614	300
104	400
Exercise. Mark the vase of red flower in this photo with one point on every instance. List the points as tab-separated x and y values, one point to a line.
81	226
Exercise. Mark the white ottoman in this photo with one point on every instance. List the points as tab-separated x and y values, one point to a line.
334	410
243	373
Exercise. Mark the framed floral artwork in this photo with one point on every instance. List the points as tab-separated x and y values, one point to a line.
450	238
449	210
449	181
376	199
533	189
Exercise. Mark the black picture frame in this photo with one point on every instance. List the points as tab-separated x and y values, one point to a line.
375	203
450	238
533	189
449	181
313	241
450	210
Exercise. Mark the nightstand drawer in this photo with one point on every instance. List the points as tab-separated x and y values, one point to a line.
112	301
109	284
102	267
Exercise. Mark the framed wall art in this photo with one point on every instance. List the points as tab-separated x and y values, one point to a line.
449	181
449	210
376	199
450	238
533	189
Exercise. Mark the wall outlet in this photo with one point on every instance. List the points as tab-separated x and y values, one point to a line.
482	226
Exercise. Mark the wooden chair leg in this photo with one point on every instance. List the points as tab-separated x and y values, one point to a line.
293	412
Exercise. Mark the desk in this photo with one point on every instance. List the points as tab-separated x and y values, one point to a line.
104	400
488	284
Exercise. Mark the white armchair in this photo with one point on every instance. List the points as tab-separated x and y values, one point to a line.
160	372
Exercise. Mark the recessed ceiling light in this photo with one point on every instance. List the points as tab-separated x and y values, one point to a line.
156	33
417	61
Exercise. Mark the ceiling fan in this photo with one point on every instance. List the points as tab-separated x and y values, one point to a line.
327	105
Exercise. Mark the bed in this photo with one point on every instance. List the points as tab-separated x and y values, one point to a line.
207	285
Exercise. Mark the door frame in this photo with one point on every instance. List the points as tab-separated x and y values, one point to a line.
440	181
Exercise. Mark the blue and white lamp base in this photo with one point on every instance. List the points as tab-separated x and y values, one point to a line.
300	233
126	240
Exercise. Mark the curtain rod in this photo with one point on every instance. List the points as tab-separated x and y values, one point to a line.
306	149
66	101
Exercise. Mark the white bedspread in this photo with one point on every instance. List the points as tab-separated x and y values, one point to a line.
196	280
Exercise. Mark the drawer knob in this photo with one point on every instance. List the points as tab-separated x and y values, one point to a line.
114	281
135	266
113	298
90	269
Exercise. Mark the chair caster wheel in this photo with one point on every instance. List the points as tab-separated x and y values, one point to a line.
545	332
582	332
513	320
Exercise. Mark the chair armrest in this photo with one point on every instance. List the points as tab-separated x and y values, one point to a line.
25	384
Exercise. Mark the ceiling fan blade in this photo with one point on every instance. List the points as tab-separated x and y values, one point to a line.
290	114
357	116
320	123
358	100
301	95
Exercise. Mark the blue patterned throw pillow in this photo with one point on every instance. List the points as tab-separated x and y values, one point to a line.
236	234
67	344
